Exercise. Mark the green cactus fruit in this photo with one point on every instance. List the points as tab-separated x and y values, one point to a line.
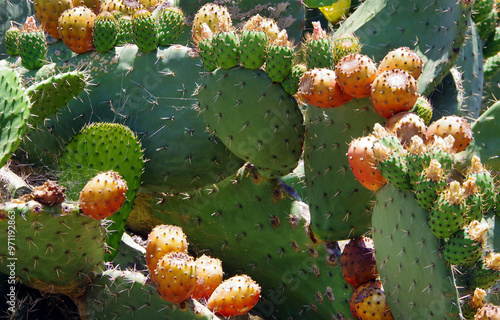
246	211
127	294
14	113
345	44
170	22
492	44
279	59
484	182
206	50
392	164
465	246
292	81
317	49
473	200
226	49
216	17
339	205
11	40
492	66
56	249
256	119
253	48
485	273
438	50
144	31
429	184
447	214
416	282
423	109
102	147
105	31
49	95
486	27
32	45
125	34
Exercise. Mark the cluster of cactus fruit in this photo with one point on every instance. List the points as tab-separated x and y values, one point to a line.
329	185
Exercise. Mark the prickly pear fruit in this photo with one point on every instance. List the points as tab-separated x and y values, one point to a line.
464	247
344	45
423	109
484	183
320	88
206	48
125	34
170	22
12	40
75	29
235	296
50	193
32	45
226	49
355	74
215	16
358	261
94	5
253	46
105	31
488	312
447	214
362	163
144	30
402	58
48	12
368	302
208	277
428	185
103	195
161	240
452	125
405	125
317	48
393	91
175	276
292	81
485	273
279	59
392	163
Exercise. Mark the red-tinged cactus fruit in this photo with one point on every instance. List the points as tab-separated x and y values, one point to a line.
216	17
358	261
48	12
94	5
402	58
368	302
161	240
344	45
393	91
452	125
176	277
235	296
319	88
209	277
363	164
103	195
405	125
355	74
76	27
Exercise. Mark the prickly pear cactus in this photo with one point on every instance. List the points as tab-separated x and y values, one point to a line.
417	281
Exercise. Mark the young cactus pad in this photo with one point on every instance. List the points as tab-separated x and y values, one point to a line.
418	283
14	113
256	119
56	248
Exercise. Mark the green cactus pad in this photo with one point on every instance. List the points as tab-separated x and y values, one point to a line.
154	98
55	248
340	205
105	32
32	49
253	45
49	95
97	148
279	62
226	49
441	30
254	227
256	119
14	113
417	282
128	295
144	31
492	66
170	22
